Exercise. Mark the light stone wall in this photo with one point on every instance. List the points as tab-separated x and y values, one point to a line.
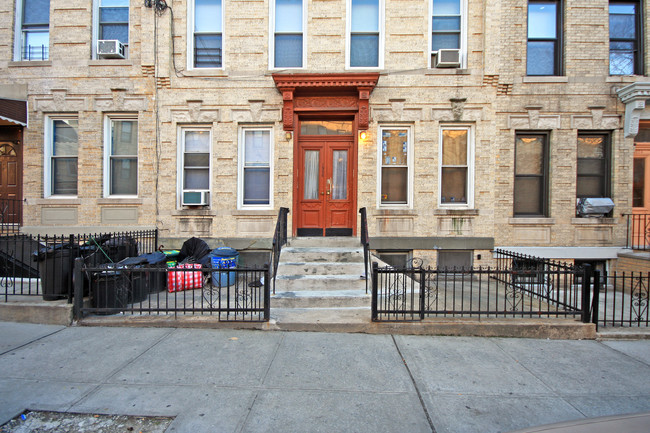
155	85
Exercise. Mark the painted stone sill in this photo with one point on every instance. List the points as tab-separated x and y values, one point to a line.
194	212
531	221
593	221
30	63
120	201
392	212
623	78
455	212
254	212
546	79
209	72
56	201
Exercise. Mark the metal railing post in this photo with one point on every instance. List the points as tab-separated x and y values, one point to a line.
586	284
422	292
373	301
267	294
596	298
78	281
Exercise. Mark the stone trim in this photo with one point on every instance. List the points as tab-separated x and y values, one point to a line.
634	96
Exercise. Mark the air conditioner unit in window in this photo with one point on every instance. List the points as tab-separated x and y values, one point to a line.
594	207
196	198
110	49
448	58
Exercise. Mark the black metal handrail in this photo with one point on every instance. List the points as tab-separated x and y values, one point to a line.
279	239
365	242
638	231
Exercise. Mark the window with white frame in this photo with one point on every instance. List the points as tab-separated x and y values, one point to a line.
61	150
365	30
456	166
120	156
206	28
195	166
395	160
288	41
255	156
32	30
112	22
447	27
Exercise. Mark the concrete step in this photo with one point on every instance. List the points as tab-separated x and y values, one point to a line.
330	241
321	254
320	268
310	283
320	299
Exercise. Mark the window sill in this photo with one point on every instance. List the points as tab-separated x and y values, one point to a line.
194	212
594	221
120	200
534	221
623	78
545	79
393	212
29	63
454	212
254	212
207	72
448	71
57	200
110	62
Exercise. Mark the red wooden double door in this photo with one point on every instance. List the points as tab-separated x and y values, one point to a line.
325	179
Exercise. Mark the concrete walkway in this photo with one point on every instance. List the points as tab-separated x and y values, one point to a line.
222	380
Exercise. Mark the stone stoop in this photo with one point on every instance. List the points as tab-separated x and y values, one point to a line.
324	274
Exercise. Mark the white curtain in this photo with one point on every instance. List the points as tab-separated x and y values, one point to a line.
340	175
311	174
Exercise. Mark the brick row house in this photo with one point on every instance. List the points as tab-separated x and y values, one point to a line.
461	125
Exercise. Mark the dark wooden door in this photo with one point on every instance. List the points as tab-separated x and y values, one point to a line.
10	183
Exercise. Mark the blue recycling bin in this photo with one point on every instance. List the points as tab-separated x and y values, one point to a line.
224	258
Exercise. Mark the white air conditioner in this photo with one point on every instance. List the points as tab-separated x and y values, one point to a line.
594	207
110	49
196	198
448	58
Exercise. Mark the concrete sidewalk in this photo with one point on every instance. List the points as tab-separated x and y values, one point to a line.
216	380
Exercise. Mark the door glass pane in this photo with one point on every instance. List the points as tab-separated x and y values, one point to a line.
340	175
638	186
311	174
326	127
394	183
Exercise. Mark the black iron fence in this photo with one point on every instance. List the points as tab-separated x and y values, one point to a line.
621	299
638	231
42	265
230	294
520	286
279	240
365	242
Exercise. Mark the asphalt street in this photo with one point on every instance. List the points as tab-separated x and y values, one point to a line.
263	381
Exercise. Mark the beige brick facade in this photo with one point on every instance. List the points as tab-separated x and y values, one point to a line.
491	94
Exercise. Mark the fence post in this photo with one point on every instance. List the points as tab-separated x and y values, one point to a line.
596	298
267	293
71	258
586	283
373	301
422	291
78	282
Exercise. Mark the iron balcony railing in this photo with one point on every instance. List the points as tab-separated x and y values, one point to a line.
638	231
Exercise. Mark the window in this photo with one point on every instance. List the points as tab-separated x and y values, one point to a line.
206	23
255	156
593	165
195	166
121	156
455	259
61	150
365	24
531	172
544	44
624	38
287	42
394	162
447	25
456	174
113	21
32	30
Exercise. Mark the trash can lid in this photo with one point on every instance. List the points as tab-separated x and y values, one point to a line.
224	252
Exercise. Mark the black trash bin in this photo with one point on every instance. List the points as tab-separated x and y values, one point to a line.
120	248
111	289
133	270
55	269
156	280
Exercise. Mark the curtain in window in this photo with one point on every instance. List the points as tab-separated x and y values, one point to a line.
311	174
394	161
453	185
529	193
340	175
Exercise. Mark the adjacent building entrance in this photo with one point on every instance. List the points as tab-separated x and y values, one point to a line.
325	178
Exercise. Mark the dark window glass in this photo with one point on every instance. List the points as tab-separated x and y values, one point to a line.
531	169
207	51
638	185
624	38
543	48
593	167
